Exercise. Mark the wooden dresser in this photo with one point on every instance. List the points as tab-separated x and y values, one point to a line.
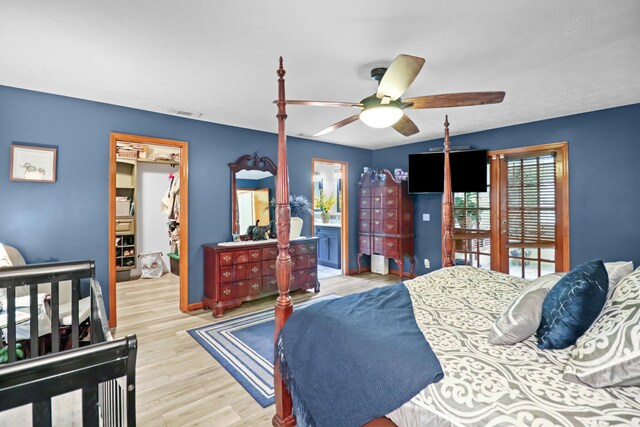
235	274
385	219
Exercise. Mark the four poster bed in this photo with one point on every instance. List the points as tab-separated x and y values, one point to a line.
454	309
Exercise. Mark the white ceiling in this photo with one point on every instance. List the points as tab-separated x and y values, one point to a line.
553	58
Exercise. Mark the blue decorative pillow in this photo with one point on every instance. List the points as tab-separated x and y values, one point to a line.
572	305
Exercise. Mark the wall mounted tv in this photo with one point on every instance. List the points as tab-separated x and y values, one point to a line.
468	171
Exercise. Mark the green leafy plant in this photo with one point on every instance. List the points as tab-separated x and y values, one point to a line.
461	214
4	353
325	203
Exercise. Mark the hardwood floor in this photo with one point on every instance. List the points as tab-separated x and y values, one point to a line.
178	382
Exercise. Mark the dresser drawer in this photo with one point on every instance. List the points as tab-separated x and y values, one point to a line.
254	255
255	270
226	292
385	227
299	262
255	286
269	267
365	192
312	247
385	202
313	260
241	288
365	214
226	274
365	202
385	245
269	284
386	191
364	226
385	214
300	248
364	244
125	226
269	253
238	257
312	275
240	271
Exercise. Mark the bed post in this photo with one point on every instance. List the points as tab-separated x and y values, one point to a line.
447	203
284	306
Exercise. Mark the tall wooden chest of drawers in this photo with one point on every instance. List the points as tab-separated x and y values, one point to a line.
385	218
235	274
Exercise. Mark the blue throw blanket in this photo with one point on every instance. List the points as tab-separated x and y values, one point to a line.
349	360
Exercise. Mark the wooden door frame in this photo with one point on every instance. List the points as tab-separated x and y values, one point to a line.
344	217
498	205
184	217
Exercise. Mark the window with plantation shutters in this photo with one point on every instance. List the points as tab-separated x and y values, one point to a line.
472	228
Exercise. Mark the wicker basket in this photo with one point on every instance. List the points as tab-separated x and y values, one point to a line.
127	153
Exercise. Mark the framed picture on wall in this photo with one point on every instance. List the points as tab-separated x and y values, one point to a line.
31	163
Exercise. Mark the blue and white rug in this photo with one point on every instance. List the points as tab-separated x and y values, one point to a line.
244	347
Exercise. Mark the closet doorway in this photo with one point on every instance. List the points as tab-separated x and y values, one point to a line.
161	167
330	219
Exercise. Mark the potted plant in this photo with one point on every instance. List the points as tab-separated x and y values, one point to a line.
325	204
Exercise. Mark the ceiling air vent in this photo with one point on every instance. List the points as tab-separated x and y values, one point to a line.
184	113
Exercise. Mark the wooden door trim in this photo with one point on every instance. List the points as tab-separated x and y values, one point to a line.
344	217
184	216
562	205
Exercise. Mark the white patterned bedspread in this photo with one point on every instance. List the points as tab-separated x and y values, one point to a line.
489	385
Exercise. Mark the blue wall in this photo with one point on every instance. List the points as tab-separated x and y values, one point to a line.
604	180
68	219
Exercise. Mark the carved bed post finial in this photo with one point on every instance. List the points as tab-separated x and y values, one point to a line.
284	306
447	203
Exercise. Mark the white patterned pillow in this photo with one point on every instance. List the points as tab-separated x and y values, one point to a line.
617	271
608	354
522	318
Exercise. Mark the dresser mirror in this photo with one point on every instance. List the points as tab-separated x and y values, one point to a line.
253	186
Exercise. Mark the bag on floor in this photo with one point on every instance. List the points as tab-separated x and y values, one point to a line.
151	265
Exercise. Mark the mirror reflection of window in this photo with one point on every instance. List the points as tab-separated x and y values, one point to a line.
254	191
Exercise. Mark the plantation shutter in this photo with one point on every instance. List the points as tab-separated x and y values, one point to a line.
531	201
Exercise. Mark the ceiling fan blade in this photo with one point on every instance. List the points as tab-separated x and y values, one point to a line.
405	126
455	99
322	103
338	125
399	76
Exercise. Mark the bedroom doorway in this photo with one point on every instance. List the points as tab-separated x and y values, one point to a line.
146	174
330	218
531	206
520	225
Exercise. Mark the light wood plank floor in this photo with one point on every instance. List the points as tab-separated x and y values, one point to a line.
178	382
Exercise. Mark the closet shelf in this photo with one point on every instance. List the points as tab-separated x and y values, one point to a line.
164	162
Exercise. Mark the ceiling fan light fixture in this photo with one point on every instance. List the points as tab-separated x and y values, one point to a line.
382	116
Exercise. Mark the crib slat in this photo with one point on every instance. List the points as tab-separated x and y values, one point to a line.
33	322
11	323
55	317
75	310
41	413
90	406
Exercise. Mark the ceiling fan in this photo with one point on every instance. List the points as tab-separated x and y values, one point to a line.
384	108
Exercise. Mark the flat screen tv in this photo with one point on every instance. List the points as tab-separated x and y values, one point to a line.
468	172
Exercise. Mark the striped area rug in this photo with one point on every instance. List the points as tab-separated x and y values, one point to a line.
244	347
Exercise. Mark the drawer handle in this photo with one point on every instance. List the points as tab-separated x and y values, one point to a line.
243	258
312	261
272	266
389	202
227	258
273	252
312	274
376	210
377	199
255	269
390	244
255	255
240	267
255	286
274	282
390	214
377	222
390	190
364	202
313	247
226	274
377	239
389	226
226	291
